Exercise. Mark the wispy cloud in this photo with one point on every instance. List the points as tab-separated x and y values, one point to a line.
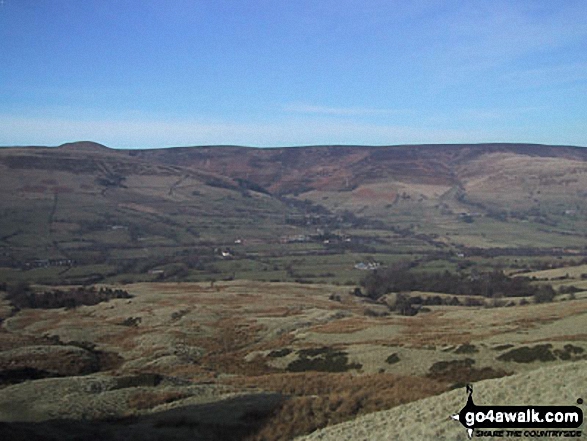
472	39
565	74
495	114
340	111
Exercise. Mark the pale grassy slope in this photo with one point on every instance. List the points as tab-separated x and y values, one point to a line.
429	419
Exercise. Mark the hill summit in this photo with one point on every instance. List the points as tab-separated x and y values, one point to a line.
86	146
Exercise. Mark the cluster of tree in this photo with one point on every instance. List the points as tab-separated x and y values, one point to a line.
111	180
221	183
250	185
408	305
411	305
493	284
355	246
449	301
569	289
22	296
305	206
517	251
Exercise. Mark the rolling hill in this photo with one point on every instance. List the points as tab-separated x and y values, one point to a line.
175	210
269	293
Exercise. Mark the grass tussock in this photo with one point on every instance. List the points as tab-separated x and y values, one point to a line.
232	334
466	348
235	364
343	326
528	354
278	353
543	353
280	312
148	399
283	341
392	359
325	359
575	337
462	371
225	352
433	329
321	399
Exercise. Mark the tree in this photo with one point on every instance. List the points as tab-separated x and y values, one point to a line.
18	288
545	294
403	305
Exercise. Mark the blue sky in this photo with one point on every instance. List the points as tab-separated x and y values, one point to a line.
146	73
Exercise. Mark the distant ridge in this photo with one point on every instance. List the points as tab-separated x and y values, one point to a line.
296	170
82	145
83	198
288	170
88	146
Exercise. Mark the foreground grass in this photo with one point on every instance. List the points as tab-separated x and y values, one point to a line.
318	400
